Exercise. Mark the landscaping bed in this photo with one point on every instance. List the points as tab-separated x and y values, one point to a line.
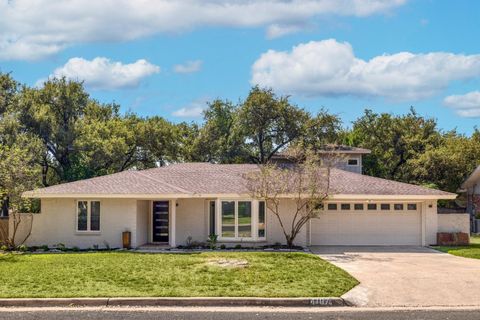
203	274
470	251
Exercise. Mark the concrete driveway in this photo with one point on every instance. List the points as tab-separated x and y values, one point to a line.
406	276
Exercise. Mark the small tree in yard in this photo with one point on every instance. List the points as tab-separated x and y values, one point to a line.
16	176
306	181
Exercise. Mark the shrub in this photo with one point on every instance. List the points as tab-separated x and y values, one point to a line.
107	245
188	242
45	247
75	249
60	246
22	248
4	248
223	247
212	241
238	246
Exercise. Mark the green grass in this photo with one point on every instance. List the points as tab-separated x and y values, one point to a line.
109	274
471	251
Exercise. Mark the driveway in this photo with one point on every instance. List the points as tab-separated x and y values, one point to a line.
406	276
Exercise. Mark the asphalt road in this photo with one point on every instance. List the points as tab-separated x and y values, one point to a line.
236	314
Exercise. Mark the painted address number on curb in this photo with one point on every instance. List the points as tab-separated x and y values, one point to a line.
320	302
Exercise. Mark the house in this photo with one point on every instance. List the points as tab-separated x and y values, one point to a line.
171	204
471	186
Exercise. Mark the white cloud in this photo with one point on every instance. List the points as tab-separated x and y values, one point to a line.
188	67
102	73
467	105
33	29
278	30
330	68
190	112
194	110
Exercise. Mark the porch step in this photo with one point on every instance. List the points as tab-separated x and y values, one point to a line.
153	247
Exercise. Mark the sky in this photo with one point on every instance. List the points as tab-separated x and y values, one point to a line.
170	57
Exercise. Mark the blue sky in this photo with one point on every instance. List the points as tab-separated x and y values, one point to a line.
169	58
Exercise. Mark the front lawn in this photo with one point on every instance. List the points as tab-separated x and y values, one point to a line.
471	251
212	274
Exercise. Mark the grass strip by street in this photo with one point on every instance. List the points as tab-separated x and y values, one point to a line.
470	251
206	274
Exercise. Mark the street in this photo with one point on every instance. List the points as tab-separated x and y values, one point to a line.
238	313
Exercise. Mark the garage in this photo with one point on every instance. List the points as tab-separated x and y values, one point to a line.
368	224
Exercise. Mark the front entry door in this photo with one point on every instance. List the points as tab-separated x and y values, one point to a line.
160	221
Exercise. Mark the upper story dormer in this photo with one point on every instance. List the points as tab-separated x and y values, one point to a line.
344	157
348	158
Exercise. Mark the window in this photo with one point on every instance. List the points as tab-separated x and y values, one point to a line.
261	219
228	219
372	206
212	217
95	215
385	206
398	206
332	206
358	206
244	219
88	215
82	216
345	206
412	206
352	162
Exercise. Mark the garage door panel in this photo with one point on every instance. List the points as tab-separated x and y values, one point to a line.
342	228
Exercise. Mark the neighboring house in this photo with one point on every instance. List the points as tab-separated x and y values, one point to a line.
471	186
171	204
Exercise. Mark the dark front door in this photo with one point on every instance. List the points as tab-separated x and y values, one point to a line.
160	221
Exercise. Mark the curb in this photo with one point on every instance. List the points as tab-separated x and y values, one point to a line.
175	302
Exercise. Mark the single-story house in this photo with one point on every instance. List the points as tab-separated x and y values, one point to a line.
183	202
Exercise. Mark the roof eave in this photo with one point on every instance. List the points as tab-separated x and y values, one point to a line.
30	194
475	175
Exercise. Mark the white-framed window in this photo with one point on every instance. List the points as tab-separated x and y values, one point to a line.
352	162
411	206
241	220
262	219
332	206
88	216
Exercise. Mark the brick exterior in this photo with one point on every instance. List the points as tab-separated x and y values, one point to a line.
453	239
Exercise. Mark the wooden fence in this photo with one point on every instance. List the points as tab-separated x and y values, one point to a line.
3	229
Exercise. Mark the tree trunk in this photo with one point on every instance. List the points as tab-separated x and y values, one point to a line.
290	242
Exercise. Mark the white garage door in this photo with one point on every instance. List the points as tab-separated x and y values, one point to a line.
367	228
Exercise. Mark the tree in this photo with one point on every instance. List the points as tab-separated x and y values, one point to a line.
321	130
395	141
268	123
217	140
53	113
18	150
8	92
306	182
449	164
17	174
159	142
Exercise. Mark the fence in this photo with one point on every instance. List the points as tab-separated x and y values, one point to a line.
3	229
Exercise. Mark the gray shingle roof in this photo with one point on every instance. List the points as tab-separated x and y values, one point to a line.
209	179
